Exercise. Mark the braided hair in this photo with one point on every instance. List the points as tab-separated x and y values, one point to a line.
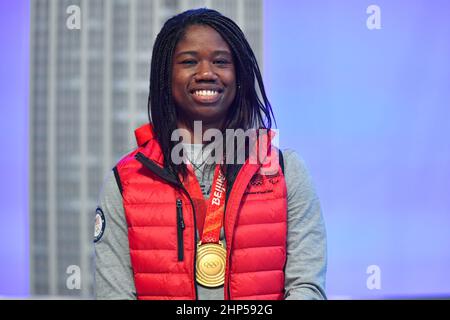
247	110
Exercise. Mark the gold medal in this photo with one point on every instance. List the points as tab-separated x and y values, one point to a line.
211	262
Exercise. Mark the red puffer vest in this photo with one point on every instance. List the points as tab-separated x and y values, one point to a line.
163	240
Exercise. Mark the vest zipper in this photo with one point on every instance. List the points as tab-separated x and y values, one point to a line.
180	229
160	172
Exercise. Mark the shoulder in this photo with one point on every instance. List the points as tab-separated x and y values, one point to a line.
128	158
294	163
128	164
297	175
110	189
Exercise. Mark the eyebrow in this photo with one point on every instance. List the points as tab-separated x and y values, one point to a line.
195	53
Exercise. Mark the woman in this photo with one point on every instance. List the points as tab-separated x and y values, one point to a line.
219	230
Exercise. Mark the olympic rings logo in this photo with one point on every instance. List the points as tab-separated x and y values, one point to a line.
211	264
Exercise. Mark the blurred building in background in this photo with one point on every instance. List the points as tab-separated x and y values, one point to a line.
88	92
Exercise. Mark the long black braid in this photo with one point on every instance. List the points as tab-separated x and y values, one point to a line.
247	110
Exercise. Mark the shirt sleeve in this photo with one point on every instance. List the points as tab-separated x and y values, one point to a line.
306	263
113	272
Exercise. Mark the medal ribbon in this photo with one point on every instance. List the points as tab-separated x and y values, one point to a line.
215	208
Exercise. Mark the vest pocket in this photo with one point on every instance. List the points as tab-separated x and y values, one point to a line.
180	228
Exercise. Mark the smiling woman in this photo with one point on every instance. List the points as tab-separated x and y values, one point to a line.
226	230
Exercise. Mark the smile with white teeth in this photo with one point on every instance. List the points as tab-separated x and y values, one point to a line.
205	92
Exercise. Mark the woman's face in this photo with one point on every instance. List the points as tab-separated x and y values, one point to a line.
203	76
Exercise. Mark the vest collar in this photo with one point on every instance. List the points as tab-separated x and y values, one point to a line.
144	134
148	144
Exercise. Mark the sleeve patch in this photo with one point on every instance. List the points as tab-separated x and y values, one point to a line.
100	224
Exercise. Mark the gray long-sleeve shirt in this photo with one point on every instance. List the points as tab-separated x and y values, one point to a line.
306	263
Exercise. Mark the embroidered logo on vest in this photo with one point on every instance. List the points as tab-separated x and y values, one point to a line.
262	183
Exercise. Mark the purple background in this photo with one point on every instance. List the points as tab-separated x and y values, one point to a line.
367	109
14	54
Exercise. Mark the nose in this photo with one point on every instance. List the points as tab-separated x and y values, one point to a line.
205	73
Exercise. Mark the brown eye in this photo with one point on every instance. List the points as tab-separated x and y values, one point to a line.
221	62
188	62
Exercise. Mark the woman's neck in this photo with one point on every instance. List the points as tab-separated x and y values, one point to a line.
196	131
